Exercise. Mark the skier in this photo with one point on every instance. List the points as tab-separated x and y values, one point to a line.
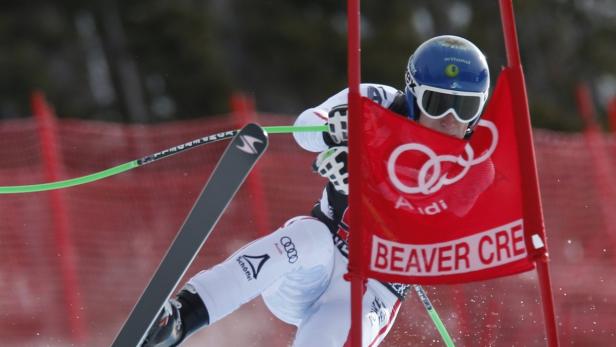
297	269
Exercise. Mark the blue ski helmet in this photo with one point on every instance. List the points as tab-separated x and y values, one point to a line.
452	69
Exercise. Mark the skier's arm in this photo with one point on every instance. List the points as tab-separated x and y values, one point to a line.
311	141
319	115
333	113
332	159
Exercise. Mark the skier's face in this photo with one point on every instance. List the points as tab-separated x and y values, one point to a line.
447	125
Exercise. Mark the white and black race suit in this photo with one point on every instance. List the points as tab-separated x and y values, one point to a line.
298	270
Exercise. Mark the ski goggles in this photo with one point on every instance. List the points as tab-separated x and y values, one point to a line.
437	102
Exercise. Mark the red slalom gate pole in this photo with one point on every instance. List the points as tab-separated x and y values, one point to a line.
46	124
611	114
586	108
355	236
243	108
600	159
533	214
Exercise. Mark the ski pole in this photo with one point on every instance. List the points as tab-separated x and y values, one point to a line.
225	135
423	297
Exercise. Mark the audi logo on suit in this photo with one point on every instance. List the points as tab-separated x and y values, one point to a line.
289	247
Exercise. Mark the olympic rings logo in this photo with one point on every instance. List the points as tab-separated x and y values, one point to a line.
289	247
430	179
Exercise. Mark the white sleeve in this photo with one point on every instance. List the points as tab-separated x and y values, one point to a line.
313	141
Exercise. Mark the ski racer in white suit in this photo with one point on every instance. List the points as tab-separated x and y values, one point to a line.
298	269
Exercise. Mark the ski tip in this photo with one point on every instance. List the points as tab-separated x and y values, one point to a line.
255	129
253	139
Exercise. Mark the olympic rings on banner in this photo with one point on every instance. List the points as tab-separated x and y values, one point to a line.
430	178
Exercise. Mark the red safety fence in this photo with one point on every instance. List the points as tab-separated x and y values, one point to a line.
118	229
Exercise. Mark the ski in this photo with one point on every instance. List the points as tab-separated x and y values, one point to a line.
232	169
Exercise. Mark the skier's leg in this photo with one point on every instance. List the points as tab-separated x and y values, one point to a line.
302	244
329	323
291	297
180	317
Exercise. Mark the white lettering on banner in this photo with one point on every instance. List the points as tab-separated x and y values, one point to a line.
435	207
484	250
430	178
